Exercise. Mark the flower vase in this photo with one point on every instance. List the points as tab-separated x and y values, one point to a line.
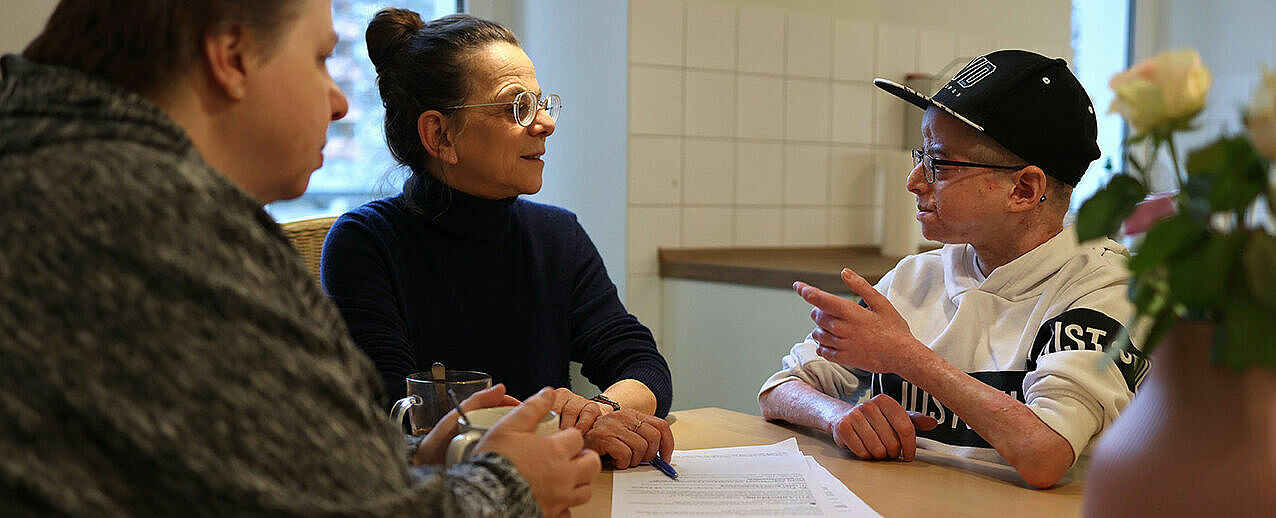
1197	440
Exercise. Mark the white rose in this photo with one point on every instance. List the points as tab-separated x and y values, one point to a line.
1165	89
1260	118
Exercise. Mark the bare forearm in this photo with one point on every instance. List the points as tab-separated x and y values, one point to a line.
801	404
631	393
1037	452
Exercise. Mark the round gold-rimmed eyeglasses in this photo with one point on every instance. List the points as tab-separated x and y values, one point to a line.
929	162
526	104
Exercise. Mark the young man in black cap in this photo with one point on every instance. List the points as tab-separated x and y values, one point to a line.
993	346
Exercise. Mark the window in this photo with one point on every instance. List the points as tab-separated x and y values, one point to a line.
1101	43
357	167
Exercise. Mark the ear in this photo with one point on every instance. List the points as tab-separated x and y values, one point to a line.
1029	186
228	61
432	129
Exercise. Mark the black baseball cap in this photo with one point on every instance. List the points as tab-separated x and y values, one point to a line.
1028	103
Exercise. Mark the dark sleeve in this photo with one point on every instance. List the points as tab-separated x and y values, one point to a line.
610	343
357	274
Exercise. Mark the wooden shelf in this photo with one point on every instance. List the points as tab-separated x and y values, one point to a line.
776	267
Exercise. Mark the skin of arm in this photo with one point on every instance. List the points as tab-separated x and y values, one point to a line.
877	339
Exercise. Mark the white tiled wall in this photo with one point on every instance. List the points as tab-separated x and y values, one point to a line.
758	126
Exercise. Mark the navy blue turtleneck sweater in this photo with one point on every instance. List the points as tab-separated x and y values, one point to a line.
509	287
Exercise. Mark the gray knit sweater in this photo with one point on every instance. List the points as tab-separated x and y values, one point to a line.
164	351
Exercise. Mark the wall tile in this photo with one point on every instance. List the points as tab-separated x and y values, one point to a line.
655	32
759	173
759	107
655	100
711	41
650	228
806	105
936	49
889	113
854	50
708	226
711	104
806	226
853	226
853	178
853	112
896	51
655	170
760	33
759	226
809	46
708	172
806	174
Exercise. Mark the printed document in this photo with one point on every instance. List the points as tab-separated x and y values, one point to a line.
772	480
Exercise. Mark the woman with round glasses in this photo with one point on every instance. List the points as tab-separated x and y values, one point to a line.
458	269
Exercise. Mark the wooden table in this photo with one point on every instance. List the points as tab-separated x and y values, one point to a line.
933	485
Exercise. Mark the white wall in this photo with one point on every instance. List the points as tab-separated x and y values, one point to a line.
22	20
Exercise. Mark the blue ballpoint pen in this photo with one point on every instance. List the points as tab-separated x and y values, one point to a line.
664	467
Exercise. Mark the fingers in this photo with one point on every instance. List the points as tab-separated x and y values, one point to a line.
568	441
666	437
923	422
584	466
825	300
876	450
589	413
490	397
900	423
860	286
570	412
651	436
526	416
883	429
846	436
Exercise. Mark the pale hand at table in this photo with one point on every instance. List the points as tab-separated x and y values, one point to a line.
875	339
558	467
434	446
630	437
881	429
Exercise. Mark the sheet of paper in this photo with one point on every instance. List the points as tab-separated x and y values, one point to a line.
843	501
771	480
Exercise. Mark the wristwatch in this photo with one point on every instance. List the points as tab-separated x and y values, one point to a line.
606	401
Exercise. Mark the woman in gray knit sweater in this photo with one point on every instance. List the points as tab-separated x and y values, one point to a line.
163	350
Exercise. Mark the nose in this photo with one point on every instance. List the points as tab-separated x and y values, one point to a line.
916	182
337	101
542	124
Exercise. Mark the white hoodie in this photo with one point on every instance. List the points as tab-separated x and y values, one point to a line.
1036	328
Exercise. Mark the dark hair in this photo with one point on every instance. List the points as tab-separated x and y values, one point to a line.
420	67
140	44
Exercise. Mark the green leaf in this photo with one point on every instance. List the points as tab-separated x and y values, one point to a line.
1237	172
1168	238
1244	337
1199	278
1260	268
1103	213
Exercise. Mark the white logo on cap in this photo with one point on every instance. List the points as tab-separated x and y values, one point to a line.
975	72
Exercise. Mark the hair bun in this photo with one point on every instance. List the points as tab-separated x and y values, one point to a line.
389	32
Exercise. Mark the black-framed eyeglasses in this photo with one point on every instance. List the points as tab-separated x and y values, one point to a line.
929	162
526	104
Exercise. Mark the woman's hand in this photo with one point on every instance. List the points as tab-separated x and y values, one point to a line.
434	446
576	411
630	437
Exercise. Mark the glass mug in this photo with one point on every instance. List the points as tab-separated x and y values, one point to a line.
482	420
427	400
